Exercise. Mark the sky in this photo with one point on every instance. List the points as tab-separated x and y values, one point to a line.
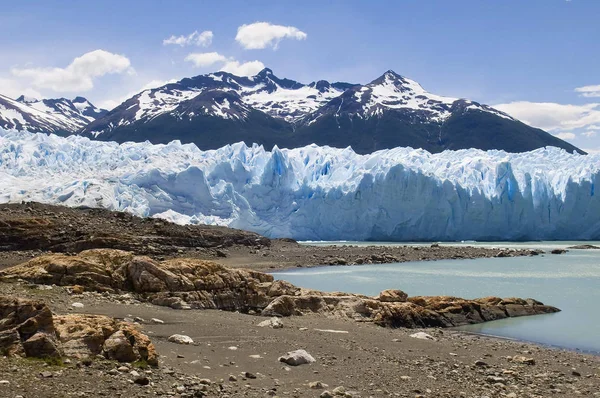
538	60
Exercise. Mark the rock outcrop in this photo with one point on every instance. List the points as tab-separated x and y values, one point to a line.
28	328
198	284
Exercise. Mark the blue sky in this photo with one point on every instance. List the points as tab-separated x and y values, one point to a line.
525	57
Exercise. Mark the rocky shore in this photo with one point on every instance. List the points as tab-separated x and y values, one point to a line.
30	229
98	303
231	354
199	284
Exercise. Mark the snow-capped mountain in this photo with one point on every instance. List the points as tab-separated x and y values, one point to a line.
219	108
317	193
58	116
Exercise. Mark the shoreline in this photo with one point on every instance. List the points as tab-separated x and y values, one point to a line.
522	341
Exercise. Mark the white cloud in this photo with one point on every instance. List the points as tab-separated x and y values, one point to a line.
205	59
203	39
590	133
79	75
250	68
13	89
565	136
201	60
589	91
552	116
260	35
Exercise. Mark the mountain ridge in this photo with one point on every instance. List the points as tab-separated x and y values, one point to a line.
59	116
220	108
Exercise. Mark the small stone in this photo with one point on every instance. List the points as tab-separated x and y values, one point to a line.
180	339
134	373
524	360
46	374
180	389
77	305
141	380
495	379
4	382
481	364
273	323
157	321
232	378
422	336
576	373
326	394
296	358
249	375
123	369
339	391
316	385
232	348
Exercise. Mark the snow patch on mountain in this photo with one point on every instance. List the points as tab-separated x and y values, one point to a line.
317	193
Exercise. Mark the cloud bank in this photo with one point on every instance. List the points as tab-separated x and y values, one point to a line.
79	75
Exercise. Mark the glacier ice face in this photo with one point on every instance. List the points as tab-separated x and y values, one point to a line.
315	193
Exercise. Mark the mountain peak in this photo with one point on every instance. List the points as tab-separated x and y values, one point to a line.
265	72
27	100
79	99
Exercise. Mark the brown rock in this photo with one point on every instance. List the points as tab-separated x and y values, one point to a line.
22	320
392	296
41	345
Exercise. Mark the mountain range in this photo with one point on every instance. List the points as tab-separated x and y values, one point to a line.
57	116
220	108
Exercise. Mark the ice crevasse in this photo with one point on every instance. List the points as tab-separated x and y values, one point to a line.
315	193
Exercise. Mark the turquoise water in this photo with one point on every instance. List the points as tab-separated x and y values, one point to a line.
570	282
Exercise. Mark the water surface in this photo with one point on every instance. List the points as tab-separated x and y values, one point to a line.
569	281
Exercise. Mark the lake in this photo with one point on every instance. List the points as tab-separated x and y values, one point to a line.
569	281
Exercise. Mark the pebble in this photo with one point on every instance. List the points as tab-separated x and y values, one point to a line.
157	321
77	305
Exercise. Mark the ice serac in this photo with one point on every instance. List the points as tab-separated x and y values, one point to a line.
315	193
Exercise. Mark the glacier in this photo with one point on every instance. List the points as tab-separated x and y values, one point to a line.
315	193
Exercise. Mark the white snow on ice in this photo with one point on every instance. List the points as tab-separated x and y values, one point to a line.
316	193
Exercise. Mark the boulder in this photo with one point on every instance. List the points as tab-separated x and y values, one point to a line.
85	336
296	358
26	328
41	345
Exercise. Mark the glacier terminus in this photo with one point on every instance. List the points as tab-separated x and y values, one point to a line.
313	192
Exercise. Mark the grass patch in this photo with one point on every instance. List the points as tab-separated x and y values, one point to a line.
55	362
141	364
